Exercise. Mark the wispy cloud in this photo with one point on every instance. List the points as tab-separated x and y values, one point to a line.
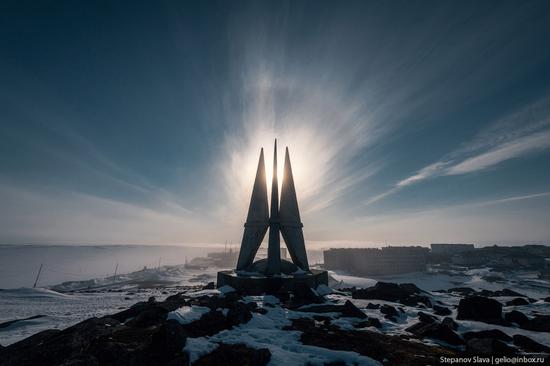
509	150
521	133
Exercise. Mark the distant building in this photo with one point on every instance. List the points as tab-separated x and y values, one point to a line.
450	249
371	261
470	258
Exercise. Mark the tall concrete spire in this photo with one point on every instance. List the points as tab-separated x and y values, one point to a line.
257	220
290	223
283	220
274	244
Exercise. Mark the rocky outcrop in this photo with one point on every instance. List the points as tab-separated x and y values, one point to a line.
493	333
529	345
481	309
442	331
488	347
516	317
235	355
518	301
390	350
405	293
539	323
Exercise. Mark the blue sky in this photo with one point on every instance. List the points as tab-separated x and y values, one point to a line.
407	122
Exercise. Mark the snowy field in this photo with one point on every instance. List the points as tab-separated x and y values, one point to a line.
64	303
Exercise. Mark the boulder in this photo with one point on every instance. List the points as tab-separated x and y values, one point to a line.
436	330
516	317
351	310
529	345
481	309
518	301
441	310
389	312
168	340
209	324
539	323
493	333
405	293
488	347
151	316
235	355
300	324
449	322
239	313
426	318
209	286
372	306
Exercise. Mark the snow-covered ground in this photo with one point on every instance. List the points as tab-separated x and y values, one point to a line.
266	331
75	301
68	303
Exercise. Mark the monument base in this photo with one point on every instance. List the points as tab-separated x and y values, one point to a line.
257	284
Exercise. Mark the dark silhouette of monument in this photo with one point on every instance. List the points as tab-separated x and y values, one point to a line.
272	273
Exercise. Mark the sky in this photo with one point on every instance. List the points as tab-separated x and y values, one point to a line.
408	122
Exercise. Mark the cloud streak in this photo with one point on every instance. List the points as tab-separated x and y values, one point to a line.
501	142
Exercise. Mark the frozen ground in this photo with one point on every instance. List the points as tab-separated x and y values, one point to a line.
75	301
68	303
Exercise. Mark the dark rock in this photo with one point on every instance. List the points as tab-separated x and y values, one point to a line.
301	324
209	286
304	294
151	300
499	293
488	347
405	293
372	306
209	324
449	322
374	322
389	350
441	310
516	317
464	291
388	310
168	340
371	322
435	330
239	313
481	309
351	310
426	318
151	316
235	355
260	311
529	345
547	299
493	333
518	301
539	323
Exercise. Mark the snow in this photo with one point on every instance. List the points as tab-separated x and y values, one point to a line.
226	289
265	331
187	314
323	290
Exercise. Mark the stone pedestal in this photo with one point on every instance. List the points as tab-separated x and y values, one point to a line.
258	284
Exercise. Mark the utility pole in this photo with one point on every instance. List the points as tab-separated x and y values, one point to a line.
38	275
114	276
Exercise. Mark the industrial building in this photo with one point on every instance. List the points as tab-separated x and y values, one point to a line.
373	261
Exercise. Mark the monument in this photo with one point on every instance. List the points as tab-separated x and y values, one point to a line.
272	274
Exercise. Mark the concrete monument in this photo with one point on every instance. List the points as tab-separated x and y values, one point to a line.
272	273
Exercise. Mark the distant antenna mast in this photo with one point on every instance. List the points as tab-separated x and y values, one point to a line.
114	276
158	268
37	275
